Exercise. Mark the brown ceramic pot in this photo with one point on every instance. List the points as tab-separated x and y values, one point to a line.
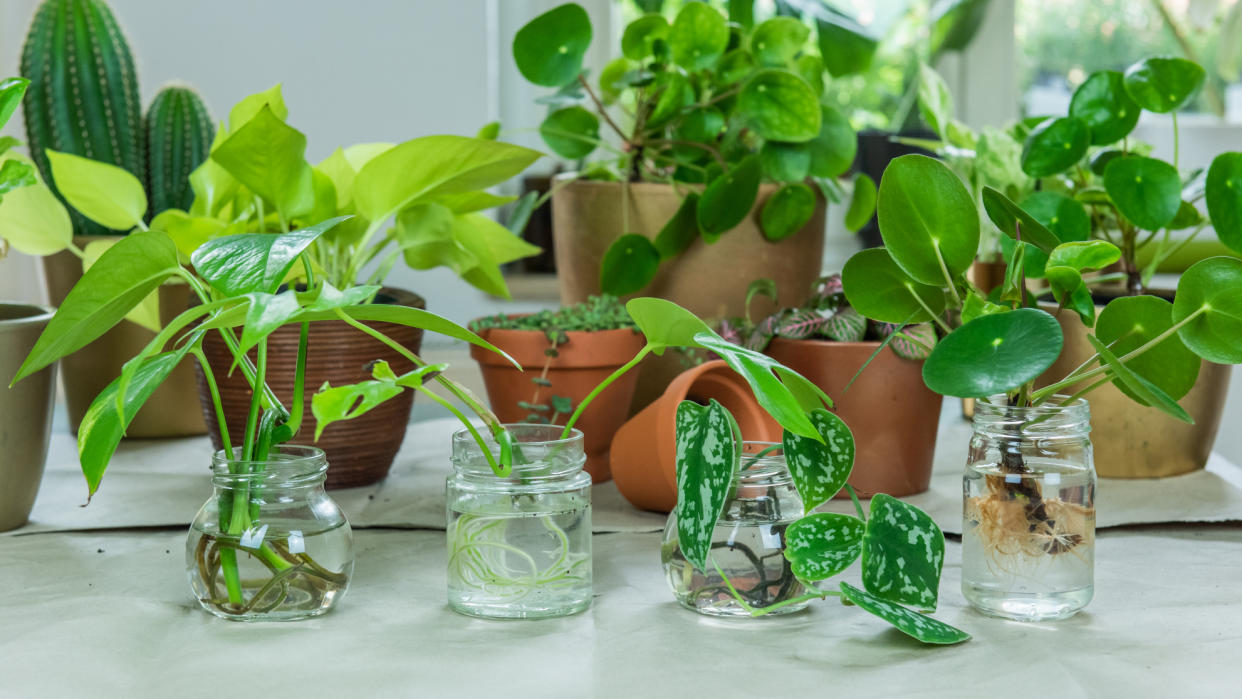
892	413
644	451
580	365
359	451
1133	441
708	280
170	411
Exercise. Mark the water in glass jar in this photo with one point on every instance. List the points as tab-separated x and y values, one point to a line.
751	555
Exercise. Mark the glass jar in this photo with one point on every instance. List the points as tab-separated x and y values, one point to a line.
519	547
270	545
748	543
1028	529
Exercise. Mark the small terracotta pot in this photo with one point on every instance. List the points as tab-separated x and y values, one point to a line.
580	365
359	451
644	451
892	413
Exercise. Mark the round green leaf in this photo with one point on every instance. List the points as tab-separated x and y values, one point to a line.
994	353
780	106
1145	190
1163	84
571	132
729	198
1223	193
1100	160
698	37
549	49
1055	146
833	150
699	126
614	78
926	216
787	211
629	265
1102	102
1132	321
1187	216
785	162
778	40
641	34
675	93
877	288
734	67
1065	217
811	69
1211	291
862	204
1084	254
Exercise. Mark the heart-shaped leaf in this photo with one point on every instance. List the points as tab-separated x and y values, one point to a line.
903	552
928	220
1161	84
630	264
548	50
776	41
780	106
1129	322
1066	218
1103	102
1145	190
572	132
637	42
707	458
33	219
267	312
665	324
1147	392
698	37
1223	193
820	468
820	545
269	157
913	624
787	211
785	162
1054	146
728	199
877	288
248	262
1211	291
994	353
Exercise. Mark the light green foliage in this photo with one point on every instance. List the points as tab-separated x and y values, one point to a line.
1055	145
268	157
253	262
1103	102
1223	192
105	194
33	220
571	132
902	554
880	290
332	404
1146	191
780	106
935	102
698	36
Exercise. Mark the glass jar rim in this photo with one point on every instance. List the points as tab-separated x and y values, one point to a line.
287	464
533	436
997	403
770	468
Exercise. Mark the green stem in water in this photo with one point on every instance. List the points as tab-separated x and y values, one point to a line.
766	450
818	594
299	382
599	388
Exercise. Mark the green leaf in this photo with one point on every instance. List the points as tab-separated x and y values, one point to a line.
1070	291
698	37
330	297
331	404
927	219
147	312
1055	145
877	288
734	67
742	12
935	100
785	162
549	49
630	264
701	126
787	211
810	68
269	157
954	24
249	262
675	94
1129	322
34	221
728	199
779	106
188	232
1085	255
104	193
1187	217
913	624
1145	190
776	41
489	131
15	174
665	324
1008	216
1066	218
845	45
707	458
250	106
976	305
820	467
834	149
1102	102
994	354
1148	393
862	204
265	314
571	132
1223	193
640	35
1160	84
488	245
915	342
681	230
11	92
122	277
1211	291
820	545
903	552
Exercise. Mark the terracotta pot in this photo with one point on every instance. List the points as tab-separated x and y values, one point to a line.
359	451
892	413
582	363
708	280
171	410
1133	441
25	412
645	449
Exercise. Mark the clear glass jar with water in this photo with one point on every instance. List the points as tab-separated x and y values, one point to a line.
748	544
1028	537
519	547
270	544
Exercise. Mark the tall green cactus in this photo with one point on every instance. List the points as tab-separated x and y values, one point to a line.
83	96
179	134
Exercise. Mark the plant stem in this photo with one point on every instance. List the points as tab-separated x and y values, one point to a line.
210	378
1176	139
764	452
818	594
299	381
252	420
715	153
599	106
599	388
857	505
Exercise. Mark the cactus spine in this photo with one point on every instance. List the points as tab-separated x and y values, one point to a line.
83	95
179	134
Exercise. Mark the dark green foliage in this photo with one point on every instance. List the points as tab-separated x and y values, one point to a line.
179	133
596	313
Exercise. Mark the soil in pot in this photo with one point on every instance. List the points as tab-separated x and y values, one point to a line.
359	451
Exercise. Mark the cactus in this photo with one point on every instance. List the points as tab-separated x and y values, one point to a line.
83	96
179	134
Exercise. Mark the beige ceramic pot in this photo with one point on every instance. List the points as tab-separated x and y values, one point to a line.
708	280
172	411
25	412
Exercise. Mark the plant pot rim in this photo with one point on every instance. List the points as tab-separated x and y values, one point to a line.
620	345
572	180
35	314
819	342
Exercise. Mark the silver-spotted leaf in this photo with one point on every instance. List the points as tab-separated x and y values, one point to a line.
823	544
707	457
820	468
913	624
903	552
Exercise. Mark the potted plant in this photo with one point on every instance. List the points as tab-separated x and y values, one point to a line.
562	355
159	148
1029	510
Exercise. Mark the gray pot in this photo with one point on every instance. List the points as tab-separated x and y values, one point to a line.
25	412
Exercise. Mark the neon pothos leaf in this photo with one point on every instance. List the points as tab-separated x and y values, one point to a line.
330	404
903	552
820	545
248	262
820	468
913	624
707	458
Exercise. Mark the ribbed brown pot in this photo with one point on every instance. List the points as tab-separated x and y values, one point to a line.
892	414
709	280
170	411
359	451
